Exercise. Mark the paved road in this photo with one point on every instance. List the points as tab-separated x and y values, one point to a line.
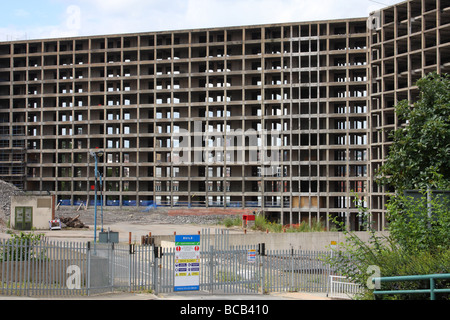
190	296
272	296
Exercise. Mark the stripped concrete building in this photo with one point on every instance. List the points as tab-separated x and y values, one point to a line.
290	119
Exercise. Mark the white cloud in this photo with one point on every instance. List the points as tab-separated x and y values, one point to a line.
210	13
96	17
21	13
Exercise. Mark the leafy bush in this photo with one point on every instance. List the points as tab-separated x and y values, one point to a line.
262	224
20	247
232	221
416	245
412	227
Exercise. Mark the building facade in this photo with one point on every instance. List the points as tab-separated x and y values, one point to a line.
290	119
407	41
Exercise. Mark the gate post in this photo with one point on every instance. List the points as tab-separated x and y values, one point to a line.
88	268
130	266
112	266
292	269
211	271
156	256
262	253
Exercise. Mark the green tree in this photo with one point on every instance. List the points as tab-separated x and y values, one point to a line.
419	157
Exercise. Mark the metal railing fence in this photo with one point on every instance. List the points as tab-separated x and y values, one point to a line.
53	268
296	270
430	277
34	268
341	287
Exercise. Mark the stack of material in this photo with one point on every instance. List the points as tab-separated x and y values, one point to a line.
73	222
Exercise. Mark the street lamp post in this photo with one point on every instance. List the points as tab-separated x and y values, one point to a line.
96	155
101	197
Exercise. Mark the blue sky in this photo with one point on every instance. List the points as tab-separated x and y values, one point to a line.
26	19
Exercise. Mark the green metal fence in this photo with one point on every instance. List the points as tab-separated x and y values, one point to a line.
431	277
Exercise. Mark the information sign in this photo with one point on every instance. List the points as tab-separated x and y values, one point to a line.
251	256
187	263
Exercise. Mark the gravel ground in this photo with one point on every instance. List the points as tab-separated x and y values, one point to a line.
111	215
127	220
139	216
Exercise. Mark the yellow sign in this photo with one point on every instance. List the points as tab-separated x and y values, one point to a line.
187	260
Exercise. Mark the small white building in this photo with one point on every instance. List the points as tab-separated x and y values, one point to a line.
32	212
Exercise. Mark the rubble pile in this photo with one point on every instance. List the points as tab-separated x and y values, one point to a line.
6	191
73	222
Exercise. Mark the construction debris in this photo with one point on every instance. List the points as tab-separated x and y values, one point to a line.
73	222
6	191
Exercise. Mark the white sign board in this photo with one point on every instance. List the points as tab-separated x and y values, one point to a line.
187	263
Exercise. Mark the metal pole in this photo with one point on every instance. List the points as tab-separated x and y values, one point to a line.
95	202
292	269
154	271
88	249
211	272
130	264
101	197
432	286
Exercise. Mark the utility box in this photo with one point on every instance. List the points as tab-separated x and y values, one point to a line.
108	237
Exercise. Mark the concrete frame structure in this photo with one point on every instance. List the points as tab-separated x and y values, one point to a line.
407	41
291	119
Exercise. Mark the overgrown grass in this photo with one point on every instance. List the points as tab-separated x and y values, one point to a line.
262	224
232	221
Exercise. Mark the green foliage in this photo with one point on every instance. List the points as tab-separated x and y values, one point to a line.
412	228
354	256
400	262
418	159
263	224
232	221
20	247
28	237
420	154
416	245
